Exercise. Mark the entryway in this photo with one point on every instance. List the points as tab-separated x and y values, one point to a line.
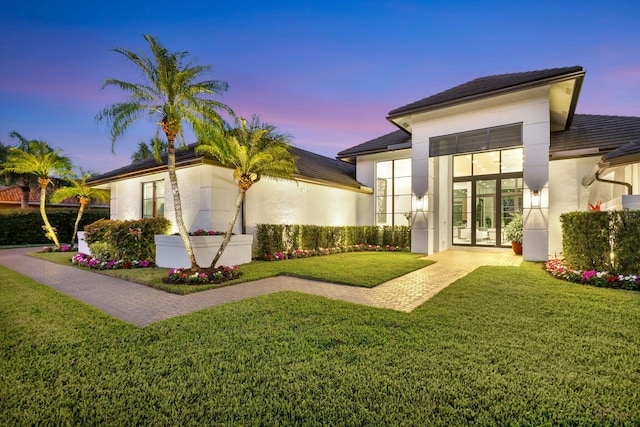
486	195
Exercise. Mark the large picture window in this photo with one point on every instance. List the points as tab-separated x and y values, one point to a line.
152	199
393	192
487	192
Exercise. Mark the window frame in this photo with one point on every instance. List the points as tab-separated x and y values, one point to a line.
388	185
157	209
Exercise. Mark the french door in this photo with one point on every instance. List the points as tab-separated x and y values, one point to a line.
483	206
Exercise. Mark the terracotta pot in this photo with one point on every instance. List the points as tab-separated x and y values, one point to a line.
517	247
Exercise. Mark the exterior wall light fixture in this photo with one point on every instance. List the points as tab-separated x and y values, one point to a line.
535	199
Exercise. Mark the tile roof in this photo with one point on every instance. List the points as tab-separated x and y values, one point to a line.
312	167
13	196
486	86
184	156
600	134
588	134
394	140
321	168
628	153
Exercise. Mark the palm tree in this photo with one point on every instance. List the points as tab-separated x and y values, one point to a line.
4	150
147	151
83	192
24	181
46	164
252	150
172	95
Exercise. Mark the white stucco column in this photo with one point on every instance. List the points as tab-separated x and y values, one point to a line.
421	230
536	136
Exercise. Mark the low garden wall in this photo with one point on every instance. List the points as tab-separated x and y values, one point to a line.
83	246
171	253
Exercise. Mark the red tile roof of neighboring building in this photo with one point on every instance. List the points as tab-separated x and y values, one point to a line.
13	196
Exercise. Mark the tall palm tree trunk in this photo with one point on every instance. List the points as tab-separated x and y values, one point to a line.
83	202
227	236
26	190
177	205
51	233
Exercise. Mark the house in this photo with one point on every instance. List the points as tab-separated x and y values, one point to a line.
324	192
11	198
461	163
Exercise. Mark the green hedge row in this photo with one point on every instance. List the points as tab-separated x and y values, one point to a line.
272	238
590	238
133	240
24	226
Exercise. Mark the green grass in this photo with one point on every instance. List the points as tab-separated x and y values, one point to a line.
366	269
502	346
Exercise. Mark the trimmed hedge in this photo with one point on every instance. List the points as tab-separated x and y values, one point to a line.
626	241
273	238
24	226
589	239
133	240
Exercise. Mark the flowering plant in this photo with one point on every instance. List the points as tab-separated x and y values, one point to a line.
306	253
217	275
63	248
603	279
84	260
203	232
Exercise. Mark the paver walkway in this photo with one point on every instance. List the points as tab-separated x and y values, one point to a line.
143	305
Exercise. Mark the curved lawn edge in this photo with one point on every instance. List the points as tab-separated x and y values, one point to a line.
359	269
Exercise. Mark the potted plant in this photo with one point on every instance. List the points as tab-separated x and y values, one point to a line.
513	232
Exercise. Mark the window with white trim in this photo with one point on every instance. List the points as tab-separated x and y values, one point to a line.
393	192
152	199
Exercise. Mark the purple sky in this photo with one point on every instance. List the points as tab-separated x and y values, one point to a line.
326	72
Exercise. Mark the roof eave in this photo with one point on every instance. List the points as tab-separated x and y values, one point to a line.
579	75
361	189
574	100
147	171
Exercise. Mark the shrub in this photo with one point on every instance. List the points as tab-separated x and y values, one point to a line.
132	240
585	240
626	241
279	238
24	226
590	238
98	231
103	251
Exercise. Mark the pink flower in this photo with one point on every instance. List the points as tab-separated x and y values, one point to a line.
587	275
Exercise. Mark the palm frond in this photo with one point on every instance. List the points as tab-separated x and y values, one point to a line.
170	93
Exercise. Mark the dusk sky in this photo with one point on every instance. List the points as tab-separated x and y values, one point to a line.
326	72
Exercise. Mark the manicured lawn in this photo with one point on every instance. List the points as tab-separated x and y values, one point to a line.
502	346
366	269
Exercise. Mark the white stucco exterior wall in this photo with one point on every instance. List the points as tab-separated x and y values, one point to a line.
206	192
208	196
293	202
566	194
531	108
